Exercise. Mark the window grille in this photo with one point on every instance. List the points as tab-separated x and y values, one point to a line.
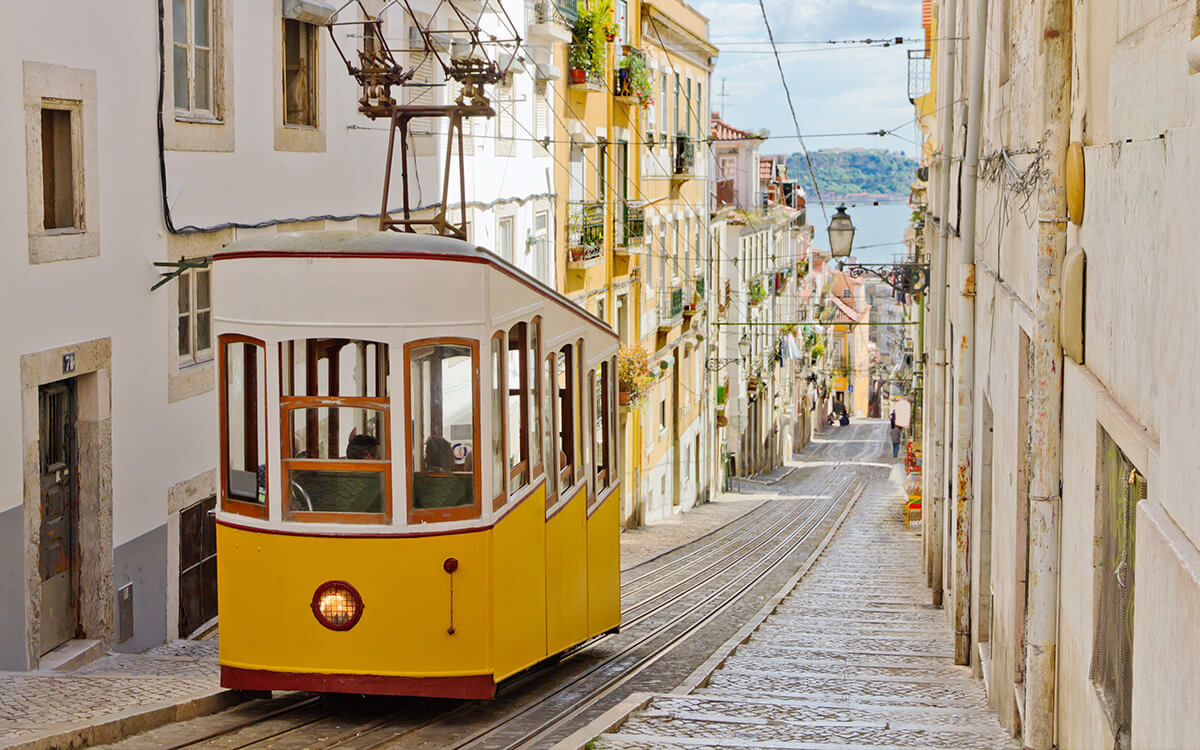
1119	488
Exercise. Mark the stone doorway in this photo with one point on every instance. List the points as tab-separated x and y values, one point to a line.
58	541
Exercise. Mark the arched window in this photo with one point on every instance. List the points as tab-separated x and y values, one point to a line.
243	396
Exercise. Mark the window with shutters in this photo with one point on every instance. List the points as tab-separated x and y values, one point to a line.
541	114
1119	488
506	127
575	184
687	109
420	88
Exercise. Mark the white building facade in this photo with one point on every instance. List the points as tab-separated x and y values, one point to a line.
108	392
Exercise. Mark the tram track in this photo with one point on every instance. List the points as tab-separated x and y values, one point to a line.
536	721
496	736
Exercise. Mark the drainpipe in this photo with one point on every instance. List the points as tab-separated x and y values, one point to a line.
1046	399
945	103
966	366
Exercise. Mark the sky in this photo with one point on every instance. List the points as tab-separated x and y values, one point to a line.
839	89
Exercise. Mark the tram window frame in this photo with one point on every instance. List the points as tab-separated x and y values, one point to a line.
230	503
518	411
602	435
588	436
459	512
580	433
499	361
564	385
551	435
536	414
320	370
614	451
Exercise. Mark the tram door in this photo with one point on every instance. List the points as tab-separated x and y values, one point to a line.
58	558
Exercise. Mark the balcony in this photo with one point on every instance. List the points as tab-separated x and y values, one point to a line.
629	71
670	308
550	22
585	235
919	66
631	225
582	78
683	163
692	305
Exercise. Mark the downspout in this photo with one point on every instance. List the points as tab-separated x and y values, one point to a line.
1045	418
964	392
945	103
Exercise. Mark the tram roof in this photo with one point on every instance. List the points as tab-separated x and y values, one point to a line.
389	245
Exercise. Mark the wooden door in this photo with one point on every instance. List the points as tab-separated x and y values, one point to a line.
58	545
197	567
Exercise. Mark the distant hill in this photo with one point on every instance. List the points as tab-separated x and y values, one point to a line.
855	171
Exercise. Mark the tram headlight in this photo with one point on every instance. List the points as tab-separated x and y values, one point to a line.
337	605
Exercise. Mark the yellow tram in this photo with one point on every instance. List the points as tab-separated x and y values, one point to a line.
419	466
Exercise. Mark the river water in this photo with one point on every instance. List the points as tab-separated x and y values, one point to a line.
879	229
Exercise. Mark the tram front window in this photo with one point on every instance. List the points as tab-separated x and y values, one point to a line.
442	420
336	451
337	435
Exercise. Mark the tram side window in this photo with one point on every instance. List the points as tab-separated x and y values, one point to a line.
337	451
613	448
517	419
581	426
497	399
442	421
565	386
535	410
601	408
244	425
549	398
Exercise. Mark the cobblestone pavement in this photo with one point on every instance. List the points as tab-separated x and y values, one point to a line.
851	658
33	704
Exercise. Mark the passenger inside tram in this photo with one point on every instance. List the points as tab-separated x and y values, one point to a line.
443	422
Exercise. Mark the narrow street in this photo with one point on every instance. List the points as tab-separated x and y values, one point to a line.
850	656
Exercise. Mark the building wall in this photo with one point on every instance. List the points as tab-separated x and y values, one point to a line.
1134	110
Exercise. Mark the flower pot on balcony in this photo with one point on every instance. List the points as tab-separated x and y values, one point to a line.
578	75
623	398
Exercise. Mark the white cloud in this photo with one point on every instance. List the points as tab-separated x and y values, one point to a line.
843	89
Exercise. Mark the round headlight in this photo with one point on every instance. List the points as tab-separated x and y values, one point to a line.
337	605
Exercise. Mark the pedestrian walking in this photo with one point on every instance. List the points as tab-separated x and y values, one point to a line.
897	436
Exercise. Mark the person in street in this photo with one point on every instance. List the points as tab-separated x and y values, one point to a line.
897	436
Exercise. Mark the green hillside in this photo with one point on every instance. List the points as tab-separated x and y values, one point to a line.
841	171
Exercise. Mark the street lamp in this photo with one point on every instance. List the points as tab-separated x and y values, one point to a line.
841	233
712	364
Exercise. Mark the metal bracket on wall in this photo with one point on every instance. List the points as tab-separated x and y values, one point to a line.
177	268
909	278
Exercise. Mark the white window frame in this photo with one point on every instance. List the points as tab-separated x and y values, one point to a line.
187	289
189	46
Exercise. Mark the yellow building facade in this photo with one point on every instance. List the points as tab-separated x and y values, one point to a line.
631	236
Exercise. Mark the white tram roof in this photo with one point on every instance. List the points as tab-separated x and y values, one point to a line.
262	289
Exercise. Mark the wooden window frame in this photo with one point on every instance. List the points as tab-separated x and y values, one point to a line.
499	382
613	401
565	436
522	392
549	363
462	512
533	355
603	470
580	383
229	504
311	69
288	404
590	437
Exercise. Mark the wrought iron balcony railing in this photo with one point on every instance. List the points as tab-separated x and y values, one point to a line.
670	307
919	66
631	223
585	233
684	163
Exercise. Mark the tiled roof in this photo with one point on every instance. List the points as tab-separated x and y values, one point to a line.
724	132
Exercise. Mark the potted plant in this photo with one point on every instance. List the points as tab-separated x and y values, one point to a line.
634	377
758	292
588	48
578	60
633	78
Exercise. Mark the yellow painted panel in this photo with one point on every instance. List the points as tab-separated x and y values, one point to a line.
519	543
604	566
566	576
267	583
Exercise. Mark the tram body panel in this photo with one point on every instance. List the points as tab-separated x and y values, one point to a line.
604	565
566	574
267	621
519	586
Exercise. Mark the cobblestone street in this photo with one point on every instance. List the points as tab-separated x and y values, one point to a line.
853	657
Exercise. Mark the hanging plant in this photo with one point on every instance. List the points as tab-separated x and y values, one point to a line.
634	377
633	78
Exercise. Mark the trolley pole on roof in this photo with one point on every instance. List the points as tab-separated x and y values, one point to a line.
452	39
